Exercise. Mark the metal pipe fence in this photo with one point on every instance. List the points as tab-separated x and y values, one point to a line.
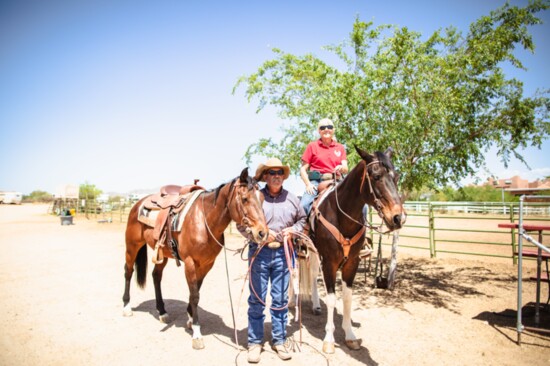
432	228
464	228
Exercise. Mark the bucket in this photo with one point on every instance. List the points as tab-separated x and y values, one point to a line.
66	219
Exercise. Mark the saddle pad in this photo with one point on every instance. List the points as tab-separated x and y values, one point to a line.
149	217
320	200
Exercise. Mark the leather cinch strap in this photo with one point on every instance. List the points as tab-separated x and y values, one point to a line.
345	242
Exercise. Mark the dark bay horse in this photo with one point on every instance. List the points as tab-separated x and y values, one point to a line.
339	232
200	241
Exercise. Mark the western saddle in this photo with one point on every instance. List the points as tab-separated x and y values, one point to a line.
169	202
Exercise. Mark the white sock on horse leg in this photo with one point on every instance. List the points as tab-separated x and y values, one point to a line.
346	320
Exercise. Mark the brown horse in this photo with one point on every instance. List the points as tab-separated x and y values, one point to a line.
200	241
338	232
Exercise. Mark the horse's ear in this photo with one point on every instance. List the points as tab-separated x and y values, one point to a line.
244	176
362	153
389	153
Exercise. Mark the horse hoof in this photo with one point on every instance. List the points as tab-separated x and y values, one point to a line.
317	311
354	344
198	343
328	347
127	311
164	318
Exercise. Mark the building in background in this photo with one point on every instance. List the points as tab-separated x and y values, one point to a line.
518	186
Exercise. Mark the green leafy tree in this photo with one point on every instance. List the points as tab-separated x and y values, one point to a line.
89	191
440	103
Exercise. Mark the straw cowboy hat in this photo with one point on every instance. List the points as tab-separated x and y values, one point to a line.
271	163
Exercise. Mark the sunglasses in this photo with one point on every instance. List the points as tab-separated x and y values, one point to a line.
276	172
330	127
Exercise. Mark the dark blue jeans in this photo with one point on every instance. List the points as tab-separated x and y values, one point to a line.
268	265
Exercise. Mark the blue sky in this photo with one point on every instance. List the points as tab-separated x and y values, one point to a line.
133	95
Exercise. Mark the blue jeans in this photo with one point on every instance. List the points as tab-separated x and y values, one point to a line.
269	264
307	199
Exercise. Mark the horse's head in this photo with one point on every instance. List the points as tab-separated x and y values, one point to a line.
379	187
245	207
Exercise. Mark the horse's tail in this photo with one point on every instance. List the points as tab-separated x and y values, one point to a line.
141	266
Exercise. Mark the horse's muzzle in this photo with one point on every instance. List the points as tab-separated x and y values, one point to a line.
259	235
399	220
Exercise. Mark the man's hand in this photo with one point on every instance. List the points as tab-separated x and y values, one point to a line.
272	235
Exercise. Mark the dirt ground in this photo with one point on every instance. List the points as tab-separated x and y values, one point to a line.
61	289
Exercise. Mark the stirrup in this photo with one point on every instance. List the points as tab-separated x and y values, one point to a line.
158	255
364	253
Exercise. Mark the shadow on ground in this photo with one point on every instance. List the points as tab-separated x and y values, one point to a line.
426	281
508	319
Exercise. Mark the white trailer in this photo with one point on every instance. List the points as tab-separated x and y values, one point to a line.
13	198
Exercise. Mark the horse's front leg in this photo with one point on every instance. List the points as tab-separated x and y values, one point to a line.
352	342
330	282
157	278
348	275
194	284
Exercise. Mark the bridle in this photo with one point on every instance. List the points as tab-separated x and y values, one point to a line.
245	221
378	205
234	192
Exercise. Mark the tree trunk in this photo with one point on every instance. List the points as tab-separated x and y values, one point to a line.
393	263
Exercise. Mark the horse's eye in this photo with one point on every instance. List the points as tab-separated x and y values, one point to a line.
245	199
377	176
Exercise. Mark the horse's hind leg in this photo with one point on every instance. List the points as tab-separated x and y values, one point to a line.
157	278
315	265
134	255
128	271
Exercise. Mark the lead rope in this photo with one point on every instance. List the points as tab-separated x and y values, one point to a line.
230	297
225	249
288	244
290	257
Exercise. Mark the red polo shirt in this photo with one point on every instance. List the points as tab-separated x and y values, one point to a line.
324	158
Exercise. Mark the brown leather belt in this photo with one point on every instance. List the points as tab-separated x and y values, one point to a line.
274	245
